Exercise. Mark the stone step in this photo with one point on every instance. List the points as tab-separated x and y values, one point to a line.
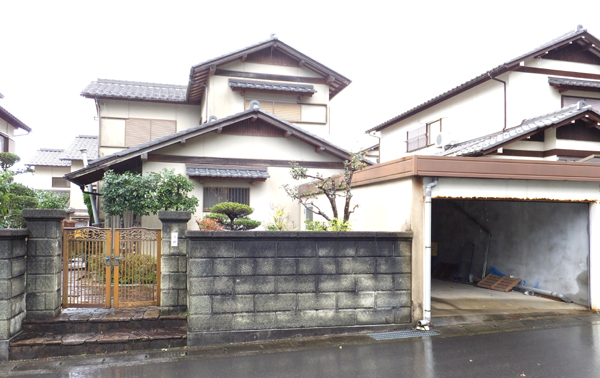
103	320
29	346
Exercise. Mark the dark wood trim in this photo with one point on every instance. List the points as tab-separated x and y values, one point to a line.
261	76
563	88
545	71
523	153
554	152
244	162
570	153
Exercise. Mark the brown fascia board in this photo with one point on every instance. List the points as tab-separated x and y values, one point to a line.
12	120
477	167
97	97
508	66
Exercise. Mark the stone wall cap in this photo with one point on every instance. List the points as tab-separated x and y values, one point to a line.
174	216
13	233
197	234
50	214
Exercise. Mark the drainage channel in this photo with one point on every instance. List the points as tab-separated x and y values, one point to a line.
401	335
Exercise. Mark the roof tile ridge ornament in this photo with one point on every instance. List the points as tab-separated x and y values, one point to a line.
254	105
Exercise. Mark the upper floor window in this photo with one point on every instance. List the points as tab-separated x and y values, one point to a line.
423	136
3	143
294	112
138	130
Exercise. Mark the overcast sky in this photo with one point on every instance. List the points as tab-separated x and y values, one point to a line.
397	53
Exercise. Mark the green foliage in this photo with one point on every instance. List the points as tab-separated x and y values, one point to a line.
236	216
143	195
87	199
14	197
8	159
279	219
332	187
315	226
334	225
338	225
126	191
52	200
172	191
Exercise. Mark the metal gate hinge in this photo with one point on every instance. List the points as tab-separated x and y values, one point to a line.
107	259
117	259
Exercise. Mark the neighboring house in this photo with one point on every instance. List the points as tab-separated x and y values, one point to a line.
208	131
51	165
509	160
8	124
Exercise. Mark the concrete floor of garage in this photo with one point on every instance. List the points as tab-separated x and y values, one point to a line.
457	303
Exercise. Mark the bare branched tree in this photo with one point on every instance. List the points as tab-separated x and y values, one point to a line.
333	187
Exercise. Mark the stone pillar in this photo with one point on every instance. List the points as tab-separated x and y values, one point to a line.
44	262
173	285
12	286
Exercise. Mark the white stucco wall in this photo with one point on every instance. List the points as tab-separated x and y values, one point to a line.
42	178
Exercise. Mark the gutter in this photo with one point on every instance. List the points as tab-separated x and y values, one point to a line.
427	256
503	82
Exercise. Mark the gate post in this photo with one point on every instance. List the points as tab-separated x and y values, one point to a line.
12	286
44	263
173	284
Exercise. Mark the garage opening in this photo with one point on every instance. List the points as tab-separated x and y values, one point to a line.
546	244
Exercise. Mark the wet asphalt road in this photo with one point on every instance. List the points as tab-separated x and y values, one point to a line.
562	352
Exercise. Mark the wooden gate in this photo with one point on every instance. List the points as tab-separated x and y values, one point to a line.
104	267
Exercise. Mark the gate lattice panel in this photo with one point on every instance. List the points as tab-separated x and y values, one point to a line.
103	267
137	253
86	275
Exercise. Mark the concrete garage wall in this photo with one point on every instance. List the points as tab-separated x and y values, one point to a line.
244	286
544	243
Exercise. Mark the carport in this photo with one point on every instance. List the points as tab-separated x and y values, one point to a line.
545	243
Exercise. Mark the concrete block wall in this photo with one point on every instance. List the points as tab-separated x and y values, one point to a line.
44	263
173	285
245	286
12	285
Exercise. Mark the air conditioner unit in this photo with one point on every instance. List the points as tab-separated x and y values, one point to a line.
444	139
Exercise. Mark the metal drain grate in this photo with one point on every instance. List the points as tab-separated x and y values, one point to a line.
401	335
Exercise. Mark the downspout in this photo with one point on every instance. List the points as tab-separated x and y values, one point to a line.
526	289
89	189
503	82
427	256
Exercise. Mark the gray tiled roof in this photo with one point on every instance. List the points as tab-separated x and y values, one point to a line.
88	142
492	141
271	86
135	90
229	172
574	82
502	68
48	157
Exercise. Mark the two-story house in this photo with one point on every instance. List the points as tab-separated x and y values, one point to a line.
498	172
233	129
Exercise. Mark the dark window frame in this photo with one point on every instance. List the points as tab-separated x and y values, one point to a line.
60	182
229	194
